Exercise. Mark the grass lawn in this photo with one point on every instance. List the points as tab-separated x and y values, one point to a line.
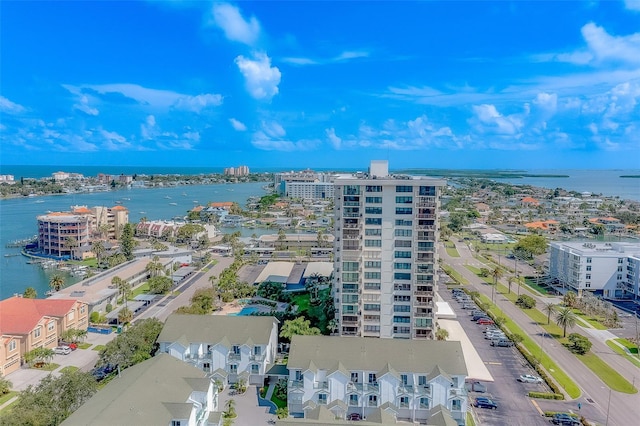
280	403
144	288
488	280
451	249
84	345
7	396
470	421
634	359
98	348
302	301
531	283
68	368
554	370
611	377
454	274
593	322
633	348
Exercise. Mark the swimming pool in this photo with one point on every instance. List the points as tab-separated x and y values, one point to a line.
247	310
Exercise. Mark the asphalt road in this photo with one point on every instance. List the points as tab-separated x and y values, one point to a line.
599	404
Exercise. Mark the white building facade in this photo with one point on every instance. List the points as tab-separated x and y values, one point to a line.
385	254
227	347
606	269
359	375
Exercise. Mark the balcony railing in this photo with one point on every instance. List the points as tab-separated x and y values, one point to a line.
257	357
234	356
457	392
296	384
363	387
321	385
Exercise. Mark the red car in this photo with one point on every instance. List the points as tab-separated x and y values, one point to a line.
485	321
72	346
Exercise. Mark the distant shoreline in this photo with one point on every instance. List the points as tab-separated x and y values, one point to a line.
630	176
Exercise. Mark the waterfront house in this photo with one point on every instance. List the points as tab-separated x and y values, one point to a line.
27	324
359	375
158	391
227	347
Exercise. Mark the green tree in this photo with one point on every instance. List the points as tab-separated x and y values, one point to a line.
30	293
127	243
56	282
5	386
97	247
154	267
525	301
496	274
579	343
160	285
442	334
125	316
230	411
565	317
549	308
298	326
52	400
569	299
531	245
134	345
282	237
39	355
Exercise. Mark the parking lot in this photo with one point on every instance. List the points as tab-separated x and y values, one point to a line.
505	365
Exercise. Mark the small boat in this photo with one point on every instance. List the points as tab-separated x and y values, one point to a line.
118	202
126	199
184	194
39	201
195	201
173	204
167	197
143	212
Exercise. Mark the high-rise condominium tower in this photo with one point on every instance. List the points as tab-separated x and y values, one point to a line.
385	256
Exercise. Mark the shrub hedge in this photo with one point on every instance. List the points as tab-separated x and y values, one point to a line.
545	395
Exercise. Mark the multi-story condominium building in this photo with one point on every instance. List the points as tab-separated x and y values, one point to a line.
308	190
26	324
111	220
7	179
228	347
606	269
237	171
65	234
359	375
158	391
385	253
60	233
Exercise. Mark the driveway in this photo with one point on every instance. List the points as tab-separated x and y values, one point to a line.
249	413
84	359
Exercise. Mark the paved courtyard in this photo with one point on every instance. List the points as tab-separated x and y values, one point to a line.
247	408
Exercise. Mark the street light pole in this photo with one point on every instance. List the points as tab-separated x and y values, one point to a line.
606	423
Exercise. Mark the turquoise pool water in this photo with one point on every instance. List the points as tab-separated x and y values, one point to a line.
247	310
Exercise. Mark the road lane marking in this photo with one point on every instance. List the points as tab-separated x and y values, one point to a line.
535	404
493	363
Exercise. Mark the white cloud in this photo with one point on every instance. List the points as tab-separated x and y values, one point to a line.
333	138
271	137
342	57
260	77
163	99
632	5
113	141
84	106
228	18
606	47
149	129
9	107
487	120
237	125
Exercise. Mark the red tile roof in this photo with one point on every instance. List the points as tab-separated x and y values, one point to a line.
221	204
119	208
19	315
530	200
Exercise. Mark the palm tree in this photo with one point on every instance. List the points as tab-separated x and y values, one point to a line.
125	316
154	267
510	280
56	282
569	299
442	334
497	274
99	250
565	318
549	308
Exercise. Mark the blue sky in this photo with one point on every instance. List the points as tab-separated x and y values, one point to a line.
321	84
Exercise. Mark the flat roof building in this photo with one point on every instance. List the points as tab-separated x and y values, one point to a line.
385	253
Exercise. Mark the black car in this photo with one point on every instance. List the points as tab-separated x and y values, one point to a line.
477	317
486	403
100	373
565	419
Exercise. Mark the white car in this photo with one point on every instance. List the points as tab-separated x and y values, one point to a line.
528	378
62	350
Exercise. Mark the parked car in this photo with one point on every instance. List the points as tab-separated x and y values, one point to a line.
504	343
485	321
72	346
528	378
62	350
354	417
479	316
100	373
476	387
565	419
483	402
495	336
